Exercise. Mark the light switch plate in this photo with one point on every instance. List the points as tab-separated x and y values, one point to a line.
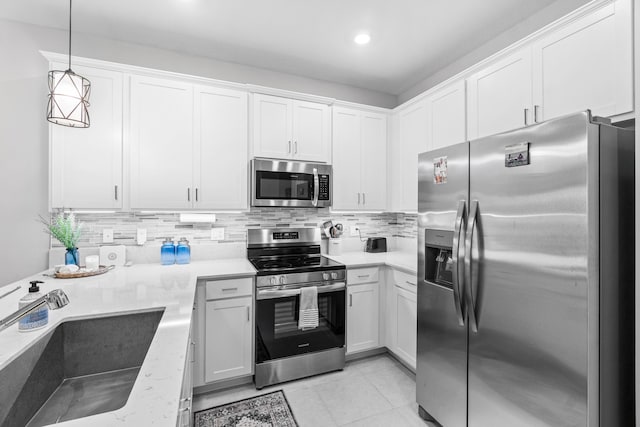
141	236
107	235
353	230
217	233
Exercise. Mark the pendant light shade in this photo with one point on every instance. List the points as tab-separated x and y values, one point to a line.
68	95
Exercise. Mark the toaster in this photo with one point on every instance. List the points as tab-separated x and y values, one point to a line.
376	244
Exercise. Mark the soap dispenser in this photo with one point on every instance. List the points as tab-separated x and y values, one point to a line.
37	318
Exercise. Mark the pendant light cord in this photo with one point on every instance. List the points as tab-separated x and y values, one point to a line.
70	34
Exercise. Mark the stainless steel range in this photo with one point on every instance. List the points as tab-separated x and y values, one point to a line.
287	261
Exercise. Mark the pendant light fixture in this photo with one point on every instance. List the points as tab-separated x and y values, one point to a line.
68	95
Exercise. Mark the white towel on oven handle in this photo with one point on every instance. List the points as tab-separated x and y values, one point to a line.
308	308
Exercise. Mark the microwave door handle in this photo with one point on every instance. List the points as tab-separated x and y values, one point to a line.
316	187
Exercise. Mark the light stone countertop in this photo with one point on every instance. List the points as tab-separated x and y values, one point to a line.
401	260
154	399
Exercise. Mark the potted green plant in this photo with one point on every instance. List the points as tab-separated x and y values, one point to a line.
67	231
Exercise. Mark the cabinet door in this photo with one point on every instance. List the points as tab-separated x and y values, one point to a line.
586	65
228	338
346	158
447	116
311	132
272	124
362	317
221	135
406	325
373	163
161	143
413	133
86	164
500	96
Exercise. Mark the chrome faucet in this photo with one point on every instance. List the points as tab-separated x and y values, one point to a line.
55	299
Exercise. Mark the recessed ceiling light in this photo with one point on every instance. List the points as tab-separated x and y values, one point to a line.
362	38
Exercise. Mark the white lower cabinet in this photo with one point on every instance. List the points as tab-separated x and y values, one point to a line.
402	316
185	410
224	330
363	302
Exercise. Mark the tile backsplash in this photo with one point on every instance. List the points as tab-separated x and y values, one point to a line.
161	225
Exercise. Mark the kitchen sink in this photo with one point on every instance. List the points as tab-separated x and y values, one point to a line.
81	368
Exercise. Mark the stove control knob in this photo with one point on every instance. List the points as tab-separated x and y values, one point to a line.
325	276
334	276
283	280
273	281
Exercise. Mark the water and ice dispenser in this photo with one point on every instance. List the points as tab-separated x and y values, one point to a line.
438	257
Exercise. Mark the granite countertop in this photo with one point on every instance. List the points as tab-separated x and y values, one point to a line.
401	260
154	399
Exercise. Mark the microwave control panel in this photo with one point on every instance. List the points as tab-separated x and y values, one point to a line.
323	181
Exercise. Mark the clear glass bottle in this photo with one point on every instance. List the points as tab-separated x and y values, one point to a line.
183	252
167	252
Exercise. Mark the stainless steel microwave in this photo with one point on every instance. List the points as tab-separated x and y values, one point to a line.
292	184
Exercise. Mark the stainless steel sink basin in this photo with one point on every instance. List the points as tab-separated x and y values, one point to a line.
81	368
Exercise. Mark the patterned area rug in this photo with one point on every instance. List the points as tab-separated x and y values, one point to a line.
267	410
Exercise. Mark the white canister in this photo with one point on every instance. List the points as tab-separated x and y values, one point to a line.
335	246
92	262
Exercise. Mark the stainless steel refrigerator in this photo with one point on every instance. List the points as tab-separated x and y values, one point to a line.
526	278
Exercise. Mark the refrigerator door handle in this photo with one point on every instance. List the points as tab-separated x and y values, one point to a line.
458	262
468	273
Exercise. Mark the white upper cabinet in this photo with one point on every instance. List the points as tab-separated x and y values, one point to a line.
221	148
161	143
410	139
586	64
86	164
500	95
359	159
447	116
290	129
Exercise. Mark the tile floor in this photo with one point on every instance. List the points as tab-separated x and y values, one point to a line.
371	392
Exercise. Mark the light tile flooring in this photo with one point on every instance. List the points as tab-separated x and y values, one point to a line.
371	392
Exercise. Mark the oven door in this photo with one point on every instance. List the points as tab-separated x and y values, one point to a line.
277	314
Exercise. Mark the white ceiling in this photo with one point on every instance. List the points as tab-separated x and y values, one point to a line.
410	39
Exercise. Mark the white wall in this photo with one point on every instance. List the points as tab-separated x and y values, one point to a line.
24	131
535	22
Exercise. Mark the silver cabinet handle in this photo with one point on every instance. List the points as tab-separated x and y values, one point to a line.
457	273
196	194
410	283
248	314
193	353
289	147
363	276
229	289
316	187
536	108
185	409
116	192
473	314
186	399
364	201
526	118
188	194
295	147
358	198
350	300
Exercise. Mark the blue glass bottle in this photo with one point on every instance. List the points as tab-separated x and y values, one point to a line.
71	257
167	252
183	252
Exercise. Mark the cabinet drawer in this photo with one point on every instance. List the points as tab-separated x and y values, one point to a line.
362	275
404	280
228	288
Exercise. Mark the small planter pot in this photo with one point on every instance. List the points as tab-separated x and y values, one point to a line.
72	257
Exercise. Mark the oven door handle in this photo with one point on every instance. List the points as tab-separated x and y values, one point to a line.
271	293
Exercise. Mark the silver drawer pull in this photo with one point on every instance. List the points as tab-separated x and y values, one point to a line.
186	399
410	283
303	345
229	289
362	277
185	409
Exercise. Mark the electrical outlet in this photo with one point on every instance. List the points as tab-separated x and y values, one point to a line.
141	236
353	231
107	235
217	233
